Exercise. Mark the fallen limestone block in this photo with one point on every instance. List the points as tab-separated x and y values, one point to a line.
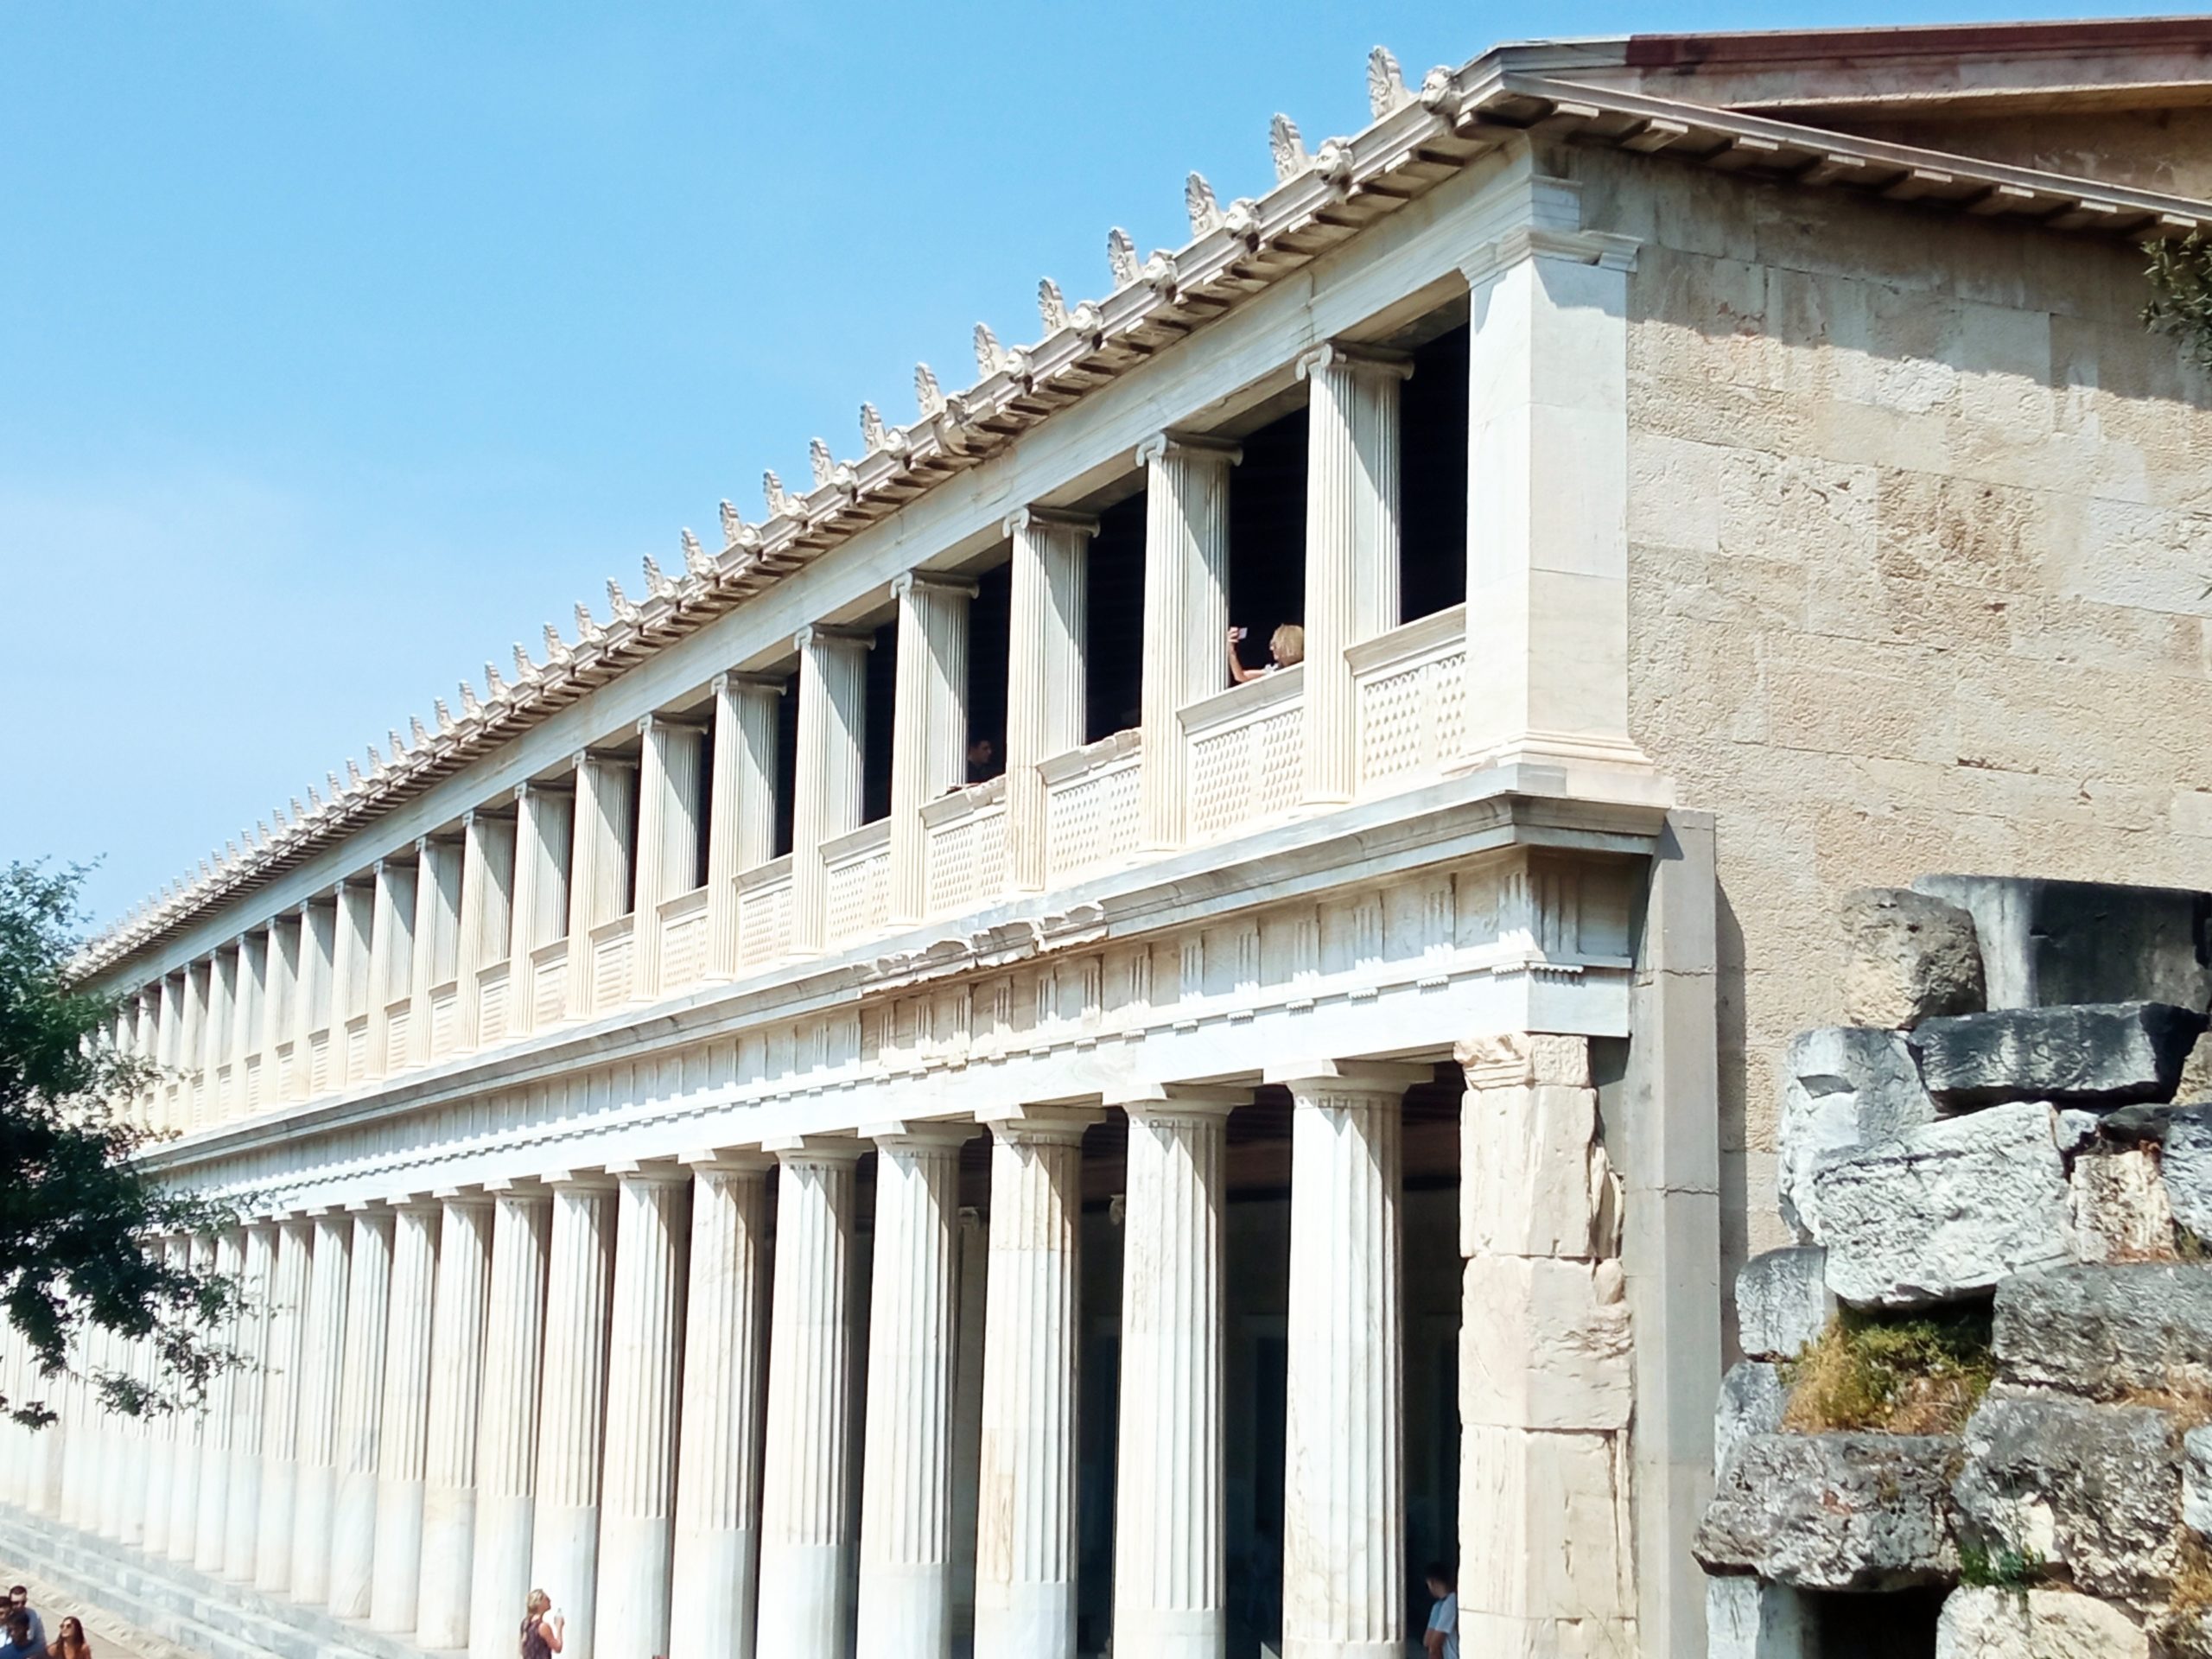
1907	955
1746	1619
2099	1054
1945	1211
2117	1208
2044	944
1753	1398
1834	1511
1783	1301
1843	1086
2196	1480
2101	1332
2094	1490
1997	1623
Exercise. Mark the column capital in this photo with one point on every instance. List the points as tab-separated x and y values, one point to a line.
908	582
633	1172
922	1136
734	680
1507	1060
1041	1125
1305	1076
821	633
1198	446
516	1186
680	722
708	1160
1169	1100
1355	359
1049	518
816	1149
586	1180
462	1197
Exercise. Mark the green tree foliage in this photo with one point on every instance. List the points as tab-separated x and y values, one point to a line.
76	1209
2180	275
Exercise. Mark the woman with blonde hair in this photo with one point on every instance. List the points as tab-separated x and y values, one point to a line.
541	1627
71	1642
1285	649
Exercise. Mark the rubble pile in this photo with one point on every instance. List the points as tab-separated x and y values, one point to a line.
1974	1411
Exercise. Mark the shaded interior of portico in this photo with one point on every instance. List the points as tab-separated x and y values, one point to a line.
1256	1235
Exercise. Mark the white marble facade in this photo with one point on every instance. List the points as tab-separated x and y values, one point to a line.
670	1117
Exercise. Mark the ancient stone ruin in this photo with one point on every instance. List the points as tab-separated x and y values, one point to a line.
1974	1416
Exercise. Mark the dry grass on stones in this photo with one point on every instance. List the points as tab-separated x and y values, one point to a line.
1917	1373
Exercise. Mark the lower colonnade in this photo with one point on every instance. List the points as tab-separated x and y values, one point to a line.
864	1392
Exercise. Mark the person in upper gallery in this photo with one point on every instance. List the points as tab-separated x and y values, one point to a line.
1285	649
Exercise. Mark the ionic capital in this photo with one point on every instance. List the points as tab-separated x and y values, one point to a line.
1027	519
929	581
1196	447
1369	361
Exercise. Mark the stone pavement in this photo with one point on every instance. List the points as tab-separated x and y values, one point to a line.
111	1637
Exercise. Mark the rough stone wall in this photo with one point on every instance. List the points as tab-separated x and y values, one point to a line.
1921	527
2167	150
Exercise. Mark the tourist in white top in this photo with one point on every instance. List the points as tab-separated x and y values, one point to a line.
1441	1639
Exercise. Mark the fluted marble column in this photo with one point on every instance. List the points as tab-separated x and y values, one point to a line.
506	1432
360	1411
487	856
280	1415
974	1247
543	824
392	957
132	1502
645	1362
1169	1560
929	720
572	1406
718	1470
456	1389
1026	1531
321	1372
249	1385
403	1423
832	730
741	822
191	1451
904	1608
599	868
1046	704
214	1495
1351	544
668	835
1186	610
805	1517
1344	1485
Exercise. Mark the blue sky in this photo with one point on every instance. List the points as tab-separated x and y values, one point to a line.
342	345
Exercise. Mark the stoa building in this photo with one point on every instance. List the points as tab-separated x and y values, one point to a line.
902	1092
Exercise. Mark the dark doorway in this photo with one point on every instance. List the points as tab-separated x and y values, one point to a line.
990	615
786	766
875	742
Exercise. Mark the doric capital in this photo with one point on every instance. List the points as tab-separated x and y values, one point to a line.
1326	1081
1049	518
831	1149
819	635
1179	1099
1349	359
924	1136
725	1161
1512	1058
930	582
1195	446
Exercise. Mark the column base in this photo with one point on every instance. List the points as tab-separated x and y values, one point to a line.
272	1546
564	1564
311	1534
904	1611
802	1604
714	1591
352	1546
1025	1621
398	1561
633	1562
448	1543
1171	1633
242	1522
499	1573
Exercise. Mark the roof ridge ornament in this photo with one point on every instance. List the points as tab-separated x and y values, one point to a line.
1121	257
990	356
658	583
820	462
1287	149
1440	90
624	608
588	632
872	434
927	395
696	557
1386	83
556	648
1199	202
782	504
1052	306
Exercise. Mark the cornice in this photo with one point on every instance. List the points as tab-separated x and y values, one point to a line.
1321	198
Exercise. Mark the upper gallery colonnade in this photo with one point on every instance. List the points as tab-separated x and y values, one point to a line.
645	859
